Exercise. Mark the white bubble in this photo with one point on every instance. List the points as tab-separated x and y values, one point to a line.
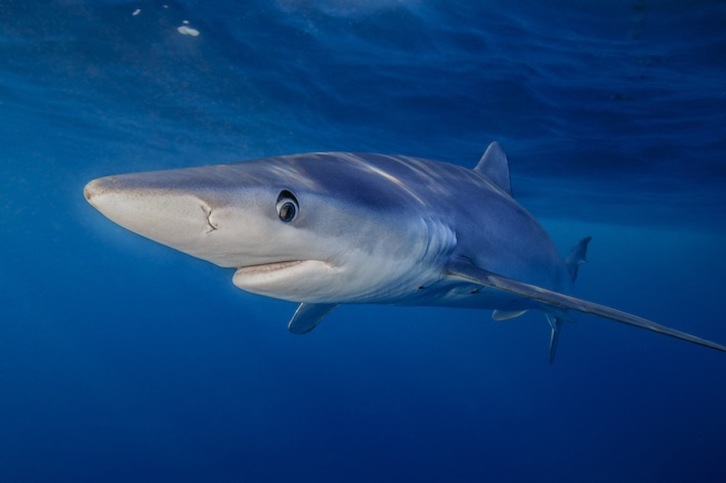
136	12
184	30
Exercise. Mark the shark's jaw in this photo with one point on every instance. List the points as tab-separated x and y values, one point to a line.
267	268
356	279
294	280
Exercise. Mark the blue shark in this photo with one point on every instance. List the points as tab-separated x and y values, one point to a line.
325	229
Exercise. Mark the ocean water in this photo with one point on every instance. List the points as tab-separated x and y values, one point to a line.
122	360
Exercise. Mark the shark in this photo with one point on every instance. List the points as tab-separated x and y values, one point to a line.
331	228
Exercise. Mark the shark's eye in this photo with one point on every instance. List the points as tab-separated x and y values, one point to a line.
287	206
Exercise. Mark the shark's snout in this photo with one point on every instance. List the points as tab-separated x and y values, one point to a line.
89	190
94	189
175	217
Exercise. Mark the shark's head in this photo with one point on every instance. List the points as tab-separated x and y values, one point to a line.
303	228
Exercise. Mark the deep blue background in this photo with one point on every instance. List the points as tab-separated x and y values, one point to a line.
121	360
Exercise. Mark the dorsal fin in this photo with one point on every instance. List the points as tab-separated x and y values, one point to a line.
494	165
577	256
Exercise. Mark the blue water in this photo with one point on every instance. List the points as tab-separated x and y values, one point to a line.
121	360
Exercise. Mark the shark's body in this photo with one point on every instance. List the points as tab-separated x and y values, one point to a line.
341	228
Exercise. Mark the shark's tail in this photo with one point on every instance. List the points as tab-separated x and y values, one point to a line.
576	257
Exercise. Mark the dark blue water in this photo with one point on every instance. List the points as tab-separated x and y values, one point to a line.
121	360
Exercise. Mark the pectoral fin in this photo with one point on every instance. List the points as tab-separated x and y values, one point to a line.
500	315
549	299
308	316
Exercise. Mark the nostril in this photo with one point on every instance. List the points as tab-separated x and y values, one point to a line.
89	190
208	212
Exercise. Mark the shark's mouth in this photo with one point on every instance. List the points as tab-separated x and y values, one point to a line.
267	267
295	280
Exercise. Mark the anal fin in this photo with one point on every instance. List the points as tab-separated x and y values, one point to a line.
556	324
